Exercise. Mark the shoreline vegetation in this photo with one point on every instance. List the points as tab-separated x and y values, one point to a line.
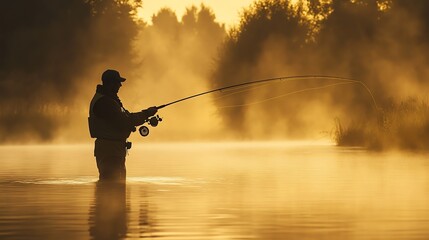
403	125
54	52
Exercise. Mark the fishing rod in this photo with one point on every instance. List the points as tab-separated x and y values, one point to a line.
256	82
153	121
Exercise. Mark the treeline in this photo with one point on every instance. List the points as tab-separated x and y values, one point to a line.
54	51
48	47
382	43
47	44
173	52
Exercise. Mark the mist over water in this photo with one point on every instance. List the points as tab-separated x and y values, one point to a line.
239	190
218	166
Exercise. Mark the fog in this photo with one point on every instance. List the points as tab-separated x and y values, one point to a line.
381	43
54	53
175	59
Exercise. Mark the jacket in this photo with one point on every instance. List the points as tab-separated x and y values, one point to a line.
109	120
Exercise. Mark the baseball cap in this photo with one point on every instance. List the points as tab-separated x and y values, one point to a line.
112	75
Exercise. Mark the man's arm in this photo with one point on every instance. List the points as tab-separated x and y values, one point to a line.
139	118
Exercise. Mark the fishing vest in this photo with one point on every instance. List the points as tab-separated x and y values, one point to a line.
103	129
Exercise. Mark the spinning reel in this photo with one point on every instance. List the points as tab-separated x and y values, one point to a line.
153	121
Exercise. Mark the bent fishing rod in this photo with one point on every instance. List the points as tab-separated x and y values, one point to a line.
153	121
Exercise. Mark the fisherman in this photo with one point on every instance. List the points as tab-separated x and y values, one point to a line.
111	124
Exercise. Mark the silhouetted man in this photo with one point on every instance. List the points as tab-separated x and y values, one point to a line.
112	124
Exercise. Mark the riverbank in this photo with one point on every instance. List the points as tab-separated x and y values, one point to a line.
403	125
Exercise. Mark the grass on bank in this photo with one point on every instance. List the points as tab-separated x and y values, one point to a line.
403	125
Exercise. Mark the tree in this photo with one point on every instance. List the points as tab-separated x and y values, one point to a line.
47	47
271	34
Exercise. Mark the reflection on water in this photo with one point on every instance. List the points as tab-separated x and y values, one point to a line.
108	214
265	190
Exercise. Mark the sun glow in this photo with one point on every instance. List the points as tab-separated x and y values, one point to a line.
227	12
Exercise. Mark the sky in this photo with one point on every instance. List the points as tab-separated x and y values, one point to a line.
226	11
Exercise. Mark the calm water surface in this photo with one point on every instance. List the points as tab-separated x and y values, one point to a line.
266	190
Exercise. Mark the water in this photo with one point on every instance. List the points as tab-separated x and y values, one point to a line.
265	190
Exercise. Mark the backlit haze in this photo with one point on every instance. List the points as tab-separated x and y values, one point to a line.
303	158
53	59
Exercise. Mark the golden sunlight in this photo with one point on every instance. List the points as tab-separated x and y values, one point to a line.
214	119
226	11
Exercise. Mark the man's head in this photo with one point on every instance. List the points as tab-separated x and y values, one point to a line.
112	80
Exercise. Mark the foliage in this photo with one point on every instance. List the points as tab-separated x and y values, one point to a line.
367	40
47	47
262	25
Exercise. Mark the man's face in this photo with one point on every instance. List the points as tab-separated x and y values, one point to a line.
113	86
116	86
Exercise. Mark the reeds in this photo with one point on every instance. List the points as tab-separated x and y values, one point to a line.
403	125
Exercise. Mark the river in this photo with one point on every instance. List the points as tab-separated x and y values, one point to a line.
231	190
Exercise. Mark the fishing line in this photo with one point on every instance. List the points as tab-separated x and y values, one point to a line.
245	89
234	91
285	78
258	87
287	94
